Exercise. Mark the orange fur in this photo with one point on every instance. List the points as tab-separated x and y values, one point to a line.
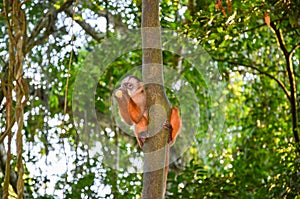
175	122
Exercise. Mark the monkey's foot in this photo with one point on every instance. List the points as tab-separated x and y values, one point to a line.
141	138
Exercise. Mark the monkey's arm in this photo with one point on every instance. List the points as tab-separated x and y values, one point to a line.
138	106
175	122
123	99
135	111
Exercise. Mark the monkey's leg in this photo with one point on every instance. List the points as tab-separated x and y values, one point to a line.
141	131
142	138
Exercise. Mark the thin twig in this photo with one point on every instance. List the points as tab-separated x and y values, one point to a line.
295	48
70	64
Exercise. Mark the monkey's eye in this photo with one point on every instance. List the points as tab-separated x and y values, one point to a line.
129	85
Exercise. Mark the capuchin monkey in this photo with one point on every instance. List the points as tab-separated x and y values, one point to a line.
131	98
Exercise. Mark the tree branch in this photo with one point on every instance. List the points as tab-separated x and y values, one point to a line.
47	22
294	48
85	26
292	81
281	84
262	25
280	39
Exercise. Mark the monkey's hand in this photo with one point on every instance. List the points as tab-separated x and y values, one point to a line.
168	126
118	94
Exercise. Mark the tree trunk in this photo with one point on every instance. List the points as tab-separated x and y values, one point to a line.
155	146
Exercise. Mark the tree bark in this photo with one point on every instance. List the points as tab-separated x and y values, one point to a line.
155	147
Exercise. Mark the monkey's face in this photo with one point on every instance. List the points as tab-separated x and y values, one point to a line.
131	84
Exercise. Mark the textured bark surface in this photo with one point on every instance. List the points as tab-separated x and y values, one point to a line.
155	147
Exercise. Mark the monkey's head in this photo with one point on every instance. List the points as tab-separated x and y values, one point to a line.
131	84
